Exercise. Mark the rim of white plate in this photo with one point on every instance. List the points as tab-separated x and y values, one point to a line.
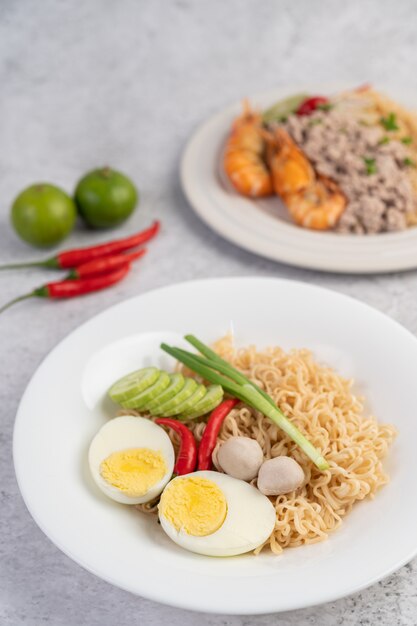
153	592
243	222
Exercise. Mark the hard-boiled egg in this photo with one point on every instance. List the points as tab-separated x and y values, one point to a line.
131	459
215	514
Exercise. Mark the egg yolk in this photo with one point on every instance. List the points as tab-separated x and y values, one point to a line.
134	471
195	505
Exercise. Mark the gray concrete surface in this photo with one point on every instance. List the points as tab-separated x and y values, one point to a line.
125	83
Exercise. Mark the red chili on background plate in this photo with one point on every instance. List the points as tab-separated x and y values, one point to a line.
311	104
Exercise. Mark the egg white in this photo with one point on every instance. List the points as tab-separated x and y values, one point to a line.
125	432
250	519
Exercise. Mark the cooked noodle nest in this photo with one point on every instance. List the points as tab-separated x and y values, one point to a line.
322	405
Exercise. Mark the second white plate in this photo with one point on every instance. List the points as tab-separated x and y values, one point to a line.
66	403
263	226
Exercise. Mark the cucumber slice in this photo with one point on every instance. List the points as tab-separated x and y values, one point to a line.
177	382
209	402
133	384
168	407
280	110
190	402
152	392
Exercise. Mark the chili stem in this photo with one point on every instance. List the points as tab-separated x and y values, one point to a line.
32	294
48	263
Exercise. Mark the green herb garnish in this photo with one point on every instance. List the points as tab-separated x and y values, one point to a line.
383	141
409	162
315	122
370	165
214	369
325	106
407	140
390	122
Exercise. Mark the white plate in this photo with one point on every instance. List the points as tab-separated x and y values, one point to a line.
263	226
64	405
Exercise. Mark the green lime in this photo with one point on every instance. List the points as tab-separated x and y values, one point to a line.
43	215
105	198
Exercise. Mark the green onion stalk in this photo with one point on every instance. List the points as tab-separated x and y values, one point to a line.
219	372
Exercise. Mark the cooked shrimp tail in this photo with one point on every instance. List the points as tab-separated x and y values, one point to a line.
290	168
318	206
313	200
245	156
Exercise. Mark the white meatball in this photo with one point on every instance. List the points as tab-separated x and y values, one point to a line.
240	457
280	475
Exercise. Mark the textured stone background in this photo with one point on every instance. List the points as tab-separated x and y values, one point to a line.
125	83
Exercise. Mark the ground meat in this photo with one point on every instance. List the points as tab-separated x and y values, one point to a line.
395	220
370	170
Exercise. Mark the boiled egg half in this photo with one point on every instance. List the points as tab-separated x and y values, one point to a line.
131	459
215	514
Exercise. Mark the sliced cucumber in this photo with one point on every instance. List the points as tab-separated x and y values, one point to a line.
190	402
280	110
169	407
177	382
209	402
133	384
152	392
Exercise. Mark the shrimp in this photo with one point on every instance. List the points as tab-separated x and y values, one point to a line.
313	200
244	156
319	206
291	170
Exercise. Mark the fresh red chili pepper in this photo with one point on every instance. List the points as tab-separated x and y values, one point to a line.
105	264
310	104
72	288
78	256
209	438
187	455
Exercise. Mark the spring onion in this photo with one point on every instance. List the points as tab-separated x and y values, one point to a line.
370	166
325	106
390	122
217	371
